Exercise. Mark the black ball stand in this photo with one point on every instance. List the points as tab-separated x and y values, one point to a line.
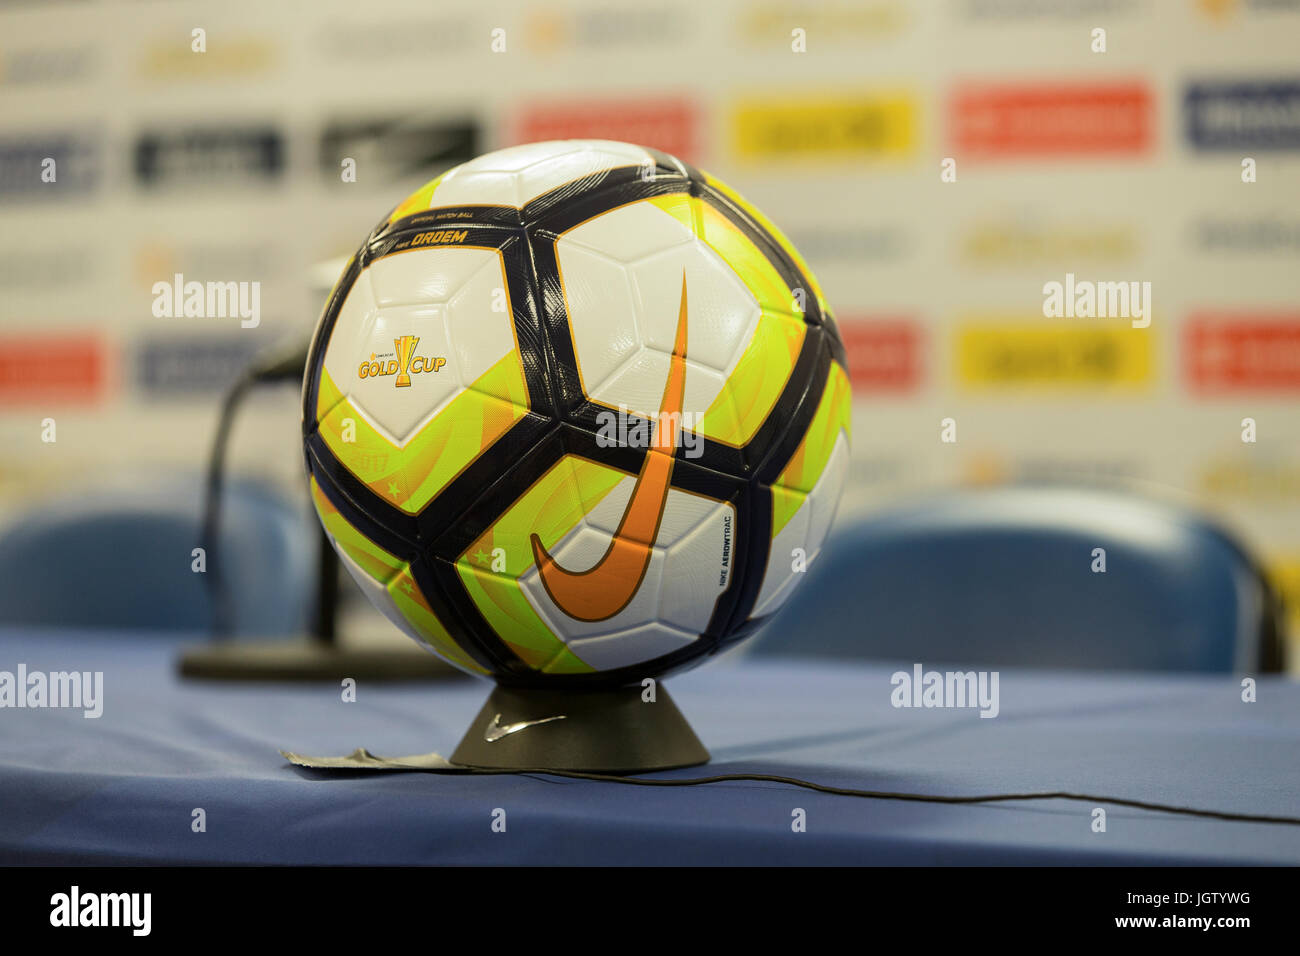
601	731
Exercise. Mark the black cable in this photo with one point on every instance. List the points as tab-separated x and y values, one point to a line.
220	598
277	365
892	795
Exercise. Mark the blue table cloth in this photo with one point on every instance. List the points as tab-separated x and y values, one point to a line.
122	788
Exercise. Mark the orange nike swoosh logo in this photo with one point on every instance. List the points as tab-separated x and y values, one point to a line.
609	585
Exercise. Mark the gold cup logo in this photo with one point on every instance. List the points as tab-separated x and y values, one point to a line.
406	364
405	350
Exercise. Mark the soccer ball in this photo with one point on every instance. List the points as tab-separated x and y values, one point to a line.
576	414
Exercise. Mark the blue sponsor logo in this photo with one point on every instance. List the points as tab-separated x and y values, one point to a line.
47	166
1239	115
193	366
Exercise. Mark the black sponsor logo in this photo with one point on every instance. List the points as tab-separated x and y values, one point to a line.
391	149
1271	234
209	156
1243	114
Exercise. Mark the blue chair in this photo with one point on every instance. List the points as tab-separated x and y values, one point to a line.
1004	577
123	561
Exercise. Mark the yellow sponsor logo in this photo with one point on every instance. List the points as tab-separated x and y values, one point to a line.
1218	9
1283	572
440	237
1000	243
1254	481
1044	355
233	56
829	23
842	127
404	364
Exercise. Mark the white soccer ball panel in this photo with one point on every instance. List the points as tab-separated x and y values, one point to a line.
806	529
428	275
631	647
629	233
826	495
377	593
519	174
443	297
624	360
598	297
699	566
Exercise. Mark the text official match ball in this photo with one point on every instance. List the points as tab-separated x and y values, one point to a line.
576	414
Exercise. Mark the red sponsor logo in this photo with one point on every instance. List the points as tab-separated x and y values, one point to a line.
884	354
1052	120
662	124
1242	352
51	368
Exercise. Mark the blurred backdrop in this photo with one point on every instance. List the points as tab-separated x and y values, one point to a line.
247	141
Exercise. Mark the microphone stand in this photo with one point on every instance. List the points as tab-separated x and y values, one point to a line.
320	655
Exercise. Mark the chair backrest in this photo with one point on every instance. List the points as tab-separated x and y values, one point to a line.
126	561
1012	577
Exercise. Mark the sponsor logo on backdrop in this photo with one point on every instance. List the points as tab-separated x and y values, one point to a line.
631	25
1065	469
27	164
879	125
1283	572
255	256
167	59
660	123
1261	480
44	270
1033	354
1262	235
395	148
364	42
1043	9
991	468
868	470
1243	114
827	24
855	244
64	367
1027	243
1242	352
1049	119
884	354
192	366
1223	10
47	66
212	157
